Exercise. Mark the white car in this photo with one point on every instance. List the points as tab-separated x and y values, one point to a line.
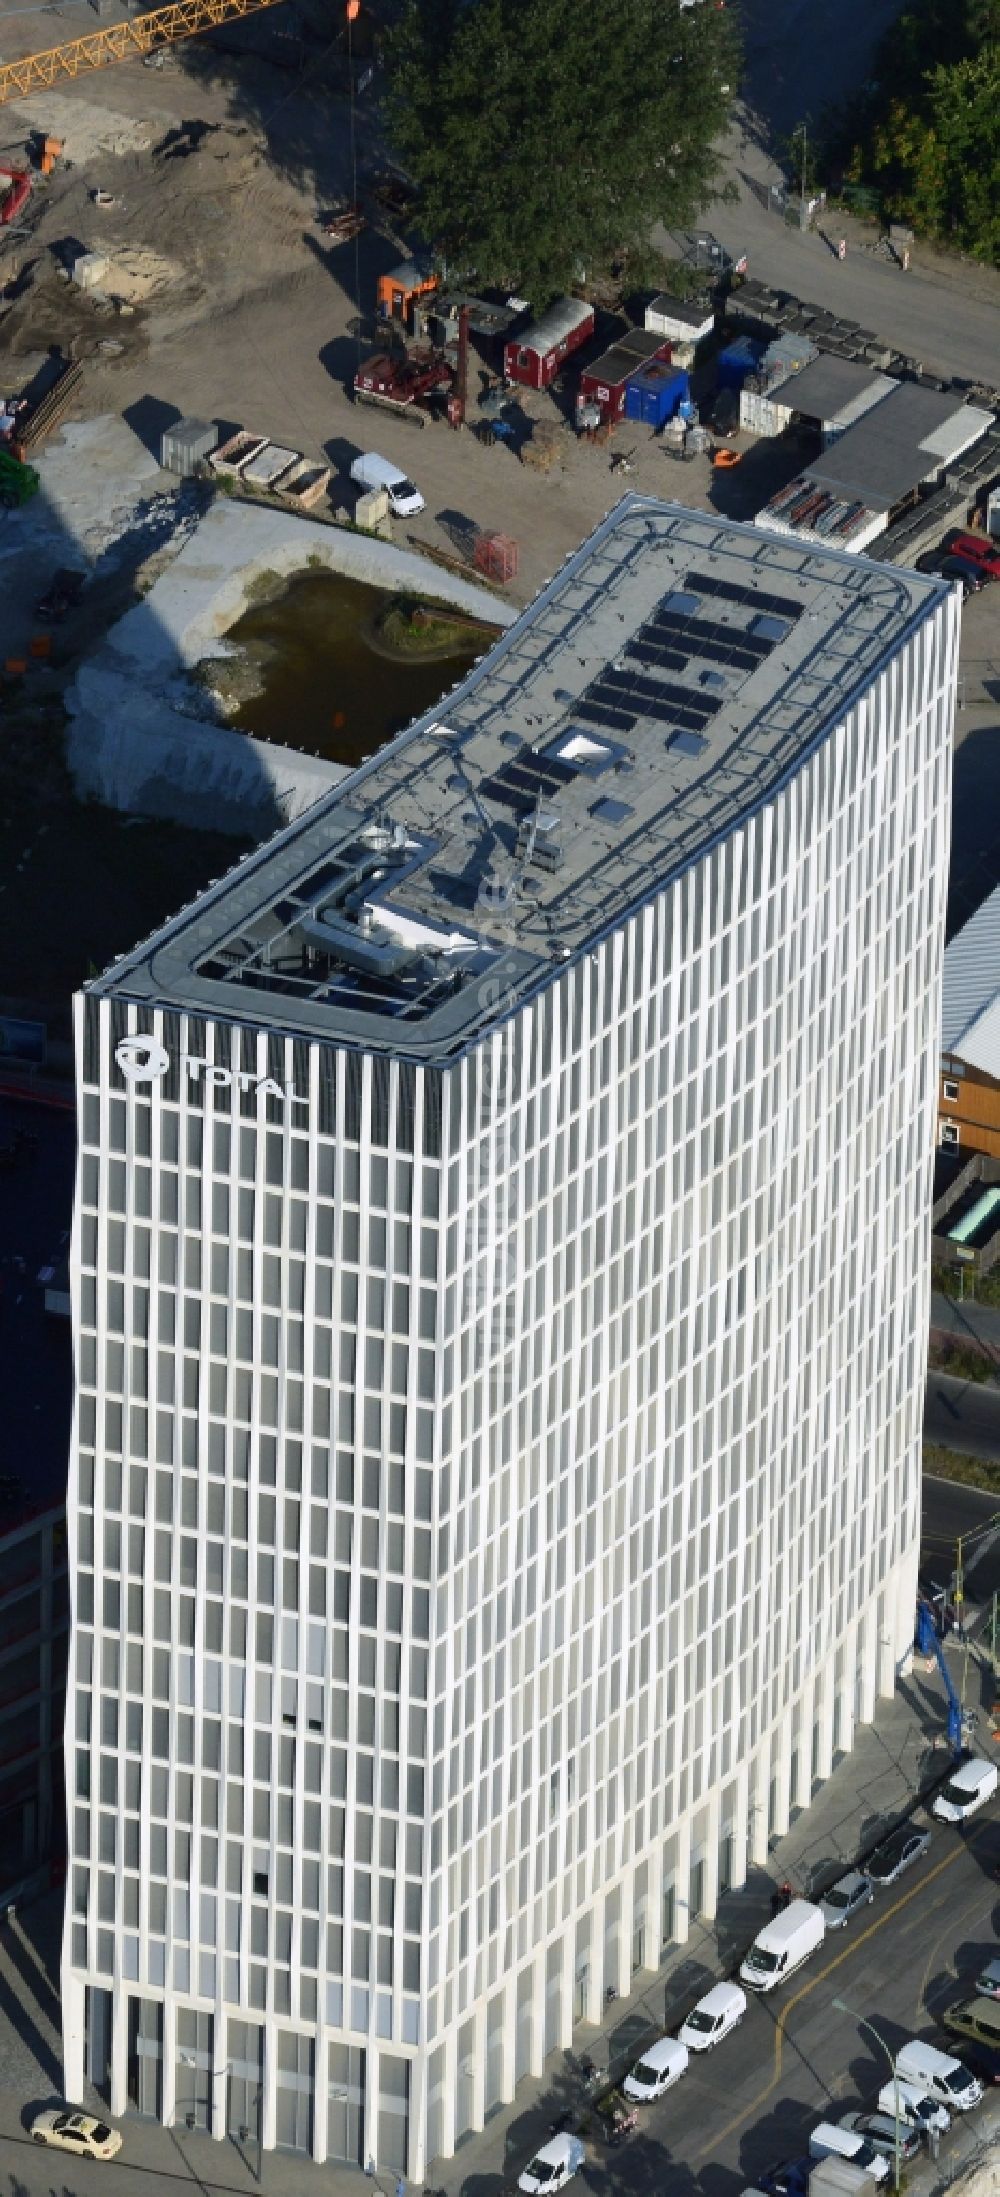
69	2131
552	2167
972	1784
713	2017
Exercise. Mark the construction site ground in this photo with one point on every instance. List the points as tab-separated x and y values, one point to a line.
238	309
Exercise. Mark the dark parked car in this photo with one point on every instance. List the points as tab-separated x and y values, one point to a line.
896	1853
969	577
789	2180
982	2060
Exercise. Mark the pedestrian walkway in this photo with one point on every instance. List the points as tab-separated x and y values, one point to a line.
894	1759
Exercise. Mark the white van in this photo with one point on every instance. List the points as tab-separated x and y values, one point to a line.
939	2075
371	471
780	1949
830	2142
903	2102
659	2068
552	2167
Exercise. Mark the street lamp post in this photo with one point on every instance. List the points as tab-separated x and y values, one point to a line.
842	2008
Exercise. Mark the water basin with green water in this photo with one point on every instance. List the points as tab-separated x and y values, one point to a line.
336	668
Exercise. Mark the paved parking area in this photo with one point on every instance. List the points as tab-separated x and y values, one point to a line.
748	2105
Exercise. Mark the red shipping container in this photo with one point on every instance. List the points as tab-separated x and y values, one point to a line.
535	357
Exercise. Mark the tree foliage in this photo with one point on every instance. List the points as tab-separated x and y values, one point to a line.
928	136
546	138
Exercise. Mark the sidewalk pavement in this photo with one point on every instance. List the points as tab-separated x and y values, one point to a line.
901	1754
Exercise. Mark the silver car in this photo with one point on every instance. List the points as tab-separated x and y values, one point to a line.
885	2135
844	1898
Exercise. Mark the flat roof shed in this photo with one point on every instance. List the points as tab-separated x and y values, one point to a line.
906	439
834	392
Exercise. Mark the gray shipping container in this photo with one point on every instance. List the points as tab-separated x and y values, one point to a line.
183	444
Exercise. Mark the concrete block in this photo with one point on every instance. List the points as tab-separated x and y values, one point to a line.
90	269
372	512
372	508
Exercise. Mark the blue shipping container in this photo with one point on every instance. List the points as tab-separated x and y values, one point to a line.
737	361
654	394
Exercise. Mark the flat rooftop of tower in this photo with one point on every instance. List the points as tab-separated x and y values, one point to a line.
662	687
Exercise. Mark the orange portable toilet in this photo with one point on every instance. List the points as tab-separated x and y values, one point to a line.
51	149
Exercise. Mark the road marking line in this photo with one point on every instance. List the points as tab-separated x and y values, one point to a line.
954	1919
804	1990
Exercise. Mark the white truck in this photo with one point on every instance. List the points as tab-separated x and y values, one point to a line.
783	1945
371	471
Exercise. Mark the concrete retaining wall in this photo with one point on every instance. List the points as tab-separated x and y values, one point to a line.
132	742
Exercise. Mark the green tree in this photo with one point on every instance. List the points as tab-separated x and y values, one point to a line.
928	134
546	138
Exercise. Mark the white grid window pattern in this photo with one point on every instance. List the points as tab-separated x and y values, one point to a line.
494	1490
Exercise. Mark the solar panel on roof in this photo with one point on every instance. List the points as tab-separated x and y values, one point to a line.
708	584
652	652
656	690
618	720
744	655
698	630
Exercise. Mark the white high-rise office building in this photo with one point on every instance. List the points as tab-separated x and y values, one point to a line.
500	1282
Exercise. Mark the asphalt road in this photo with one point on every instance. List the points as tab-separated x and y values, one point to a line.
951	1510
964	1415
795	2060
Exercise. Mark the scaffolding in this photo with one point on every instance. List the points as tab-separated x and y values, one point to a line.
495	556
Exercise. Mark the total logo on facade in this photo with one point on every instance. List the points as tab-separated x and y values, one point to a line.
144	1060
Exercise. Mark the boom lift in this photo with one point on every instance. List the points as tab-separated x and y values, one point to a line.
929	1643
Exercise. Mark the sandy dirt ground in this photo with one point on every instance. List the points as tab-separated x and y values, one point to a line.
238	310
223	298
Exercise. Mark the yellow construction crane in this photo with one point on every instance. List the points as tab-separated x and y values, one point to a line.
141	34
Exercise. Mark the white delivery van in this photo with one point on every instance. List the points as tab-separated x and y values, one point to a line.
780	1949
903	2102
371	471
659	2068
939	2076
830	2142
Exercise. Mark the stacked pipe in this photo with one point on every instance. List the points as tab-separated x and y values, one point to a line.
48	412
